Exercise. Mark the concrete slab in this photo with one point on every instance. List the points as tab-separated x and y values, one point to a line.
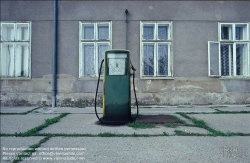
149	110
226	122
14	145
147	149
195	130
86	124
142	109
182	118
86	110
14	109
11	124
167	110
156	119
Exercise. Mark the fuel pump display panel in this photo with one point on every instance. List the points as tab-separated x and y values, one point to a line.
116	64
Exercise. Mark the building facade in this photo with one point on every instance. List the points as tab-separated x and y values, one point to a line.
185	52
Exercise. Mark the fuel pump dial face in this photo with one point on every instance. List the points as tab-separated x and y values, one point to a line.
116	64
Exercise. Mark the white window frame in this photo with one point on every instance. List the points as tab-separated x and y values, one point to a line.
156	41
210	66
232	41
232	33
15	41
95	41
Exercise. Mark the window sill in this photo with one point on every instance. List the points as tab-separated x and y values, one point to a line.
234	77
15	78
159	78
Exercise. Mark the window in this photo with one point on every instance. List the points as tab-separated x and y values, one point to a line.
230	56
15	49
95	38
156	57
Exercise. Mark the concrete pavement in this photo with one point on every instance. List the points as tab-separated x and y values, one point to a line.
77	137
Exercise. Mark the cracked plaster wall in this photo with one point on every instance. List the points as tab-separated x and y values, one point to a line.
78	93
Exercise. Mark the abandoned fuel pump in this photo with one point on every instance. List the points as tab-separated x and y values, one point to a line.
116	88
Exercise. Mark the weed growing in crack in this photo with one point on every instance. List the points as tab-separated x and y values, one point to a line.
230	112
46	124
183	133
198	122
202	124
165	134
28	152
109	134
216	107
179	120
24	113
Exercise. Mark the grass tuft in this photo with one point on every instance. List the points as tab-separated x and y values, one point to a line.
198	122
109	134
140	135
165	134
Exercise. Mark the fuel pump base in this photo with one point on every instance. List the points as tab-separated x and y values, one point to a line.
112	121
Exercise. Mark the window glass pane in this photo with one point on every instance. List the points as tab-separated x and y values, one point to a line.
88	32
7	60
22	32
21	60
148	32
8	32
226	32
103	32
241	32
163	59
241	59
88	60
101	50
148	59
214	59
226	60
163	32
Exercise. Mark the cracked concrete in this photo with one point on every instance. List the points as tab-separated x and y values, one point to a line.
172	148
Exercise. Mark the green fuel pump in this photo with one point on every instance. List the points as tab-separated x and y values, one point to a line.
116	88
